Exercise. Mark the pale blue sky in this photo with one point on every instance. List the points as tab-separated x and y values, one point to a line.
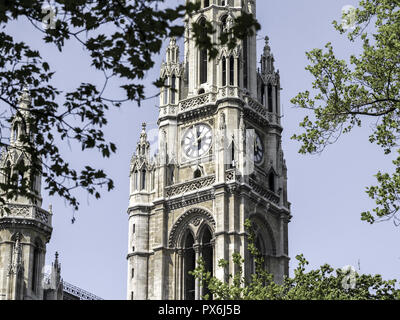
326	191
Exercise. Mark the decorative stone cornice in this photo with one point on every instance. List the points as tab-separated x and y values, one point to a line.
191	199
193	185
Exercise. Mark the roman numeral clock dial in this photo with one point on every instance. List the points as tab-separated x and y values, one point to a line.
197	140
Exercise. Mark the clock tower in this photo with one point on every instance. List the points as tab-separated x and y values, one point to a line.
219	162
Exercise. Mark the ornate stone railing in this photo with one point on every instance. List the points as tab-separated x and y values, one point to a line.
265	193
189	186
168	110
229	91
26	212
261	109
197	101
78	292
230	175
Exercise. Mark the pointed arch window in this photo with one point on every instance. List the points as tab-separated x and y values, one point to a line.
143	180
207	253
135	180
231	71
35	267
262	93
260	250
173	89
245	63
270	108
197	174
271	181
223	24
223	71
206	3
166	91
8	173
189	264
15	131
232	164
203	56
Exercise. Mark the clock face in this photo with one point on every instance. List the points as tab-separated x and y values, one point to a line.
197	140
258	149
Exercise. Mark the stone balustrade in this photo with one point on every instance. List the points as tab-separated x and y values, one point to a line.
22	211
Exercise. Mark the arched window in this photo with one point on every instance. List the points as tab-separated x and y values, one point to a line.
238	73
208	257
197	173
173	88
262	93
186	82
245	63
206	3
232	164
166	91
189	264
223	24
143	179
270	108
203	56
15	131
172	175
260	253
232	71
271	181
135	180
20	179
223	71
35	267
8	172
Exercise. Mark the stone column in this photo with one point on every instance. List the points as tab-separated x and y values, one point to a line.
197	294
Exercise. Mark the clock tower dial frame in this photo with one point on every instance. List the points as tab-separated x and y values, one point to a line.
197	140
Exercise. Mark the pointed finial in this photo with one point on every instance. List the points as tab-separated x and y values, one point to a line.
56	260
144	125
266	40
25	95
172	41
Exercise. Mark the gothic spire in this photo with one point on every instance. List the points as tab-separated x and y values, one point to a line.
267	59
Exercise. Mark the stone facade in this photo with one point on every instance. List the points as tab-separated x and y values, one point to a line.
25	228
219	162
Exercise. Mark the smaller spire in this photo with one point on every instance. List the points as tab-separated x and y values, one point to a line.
267	59
25	96
143	146
143	134
172	55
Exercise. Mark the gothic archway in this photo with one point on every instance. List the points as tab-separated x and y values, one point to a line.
192	237
264	241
